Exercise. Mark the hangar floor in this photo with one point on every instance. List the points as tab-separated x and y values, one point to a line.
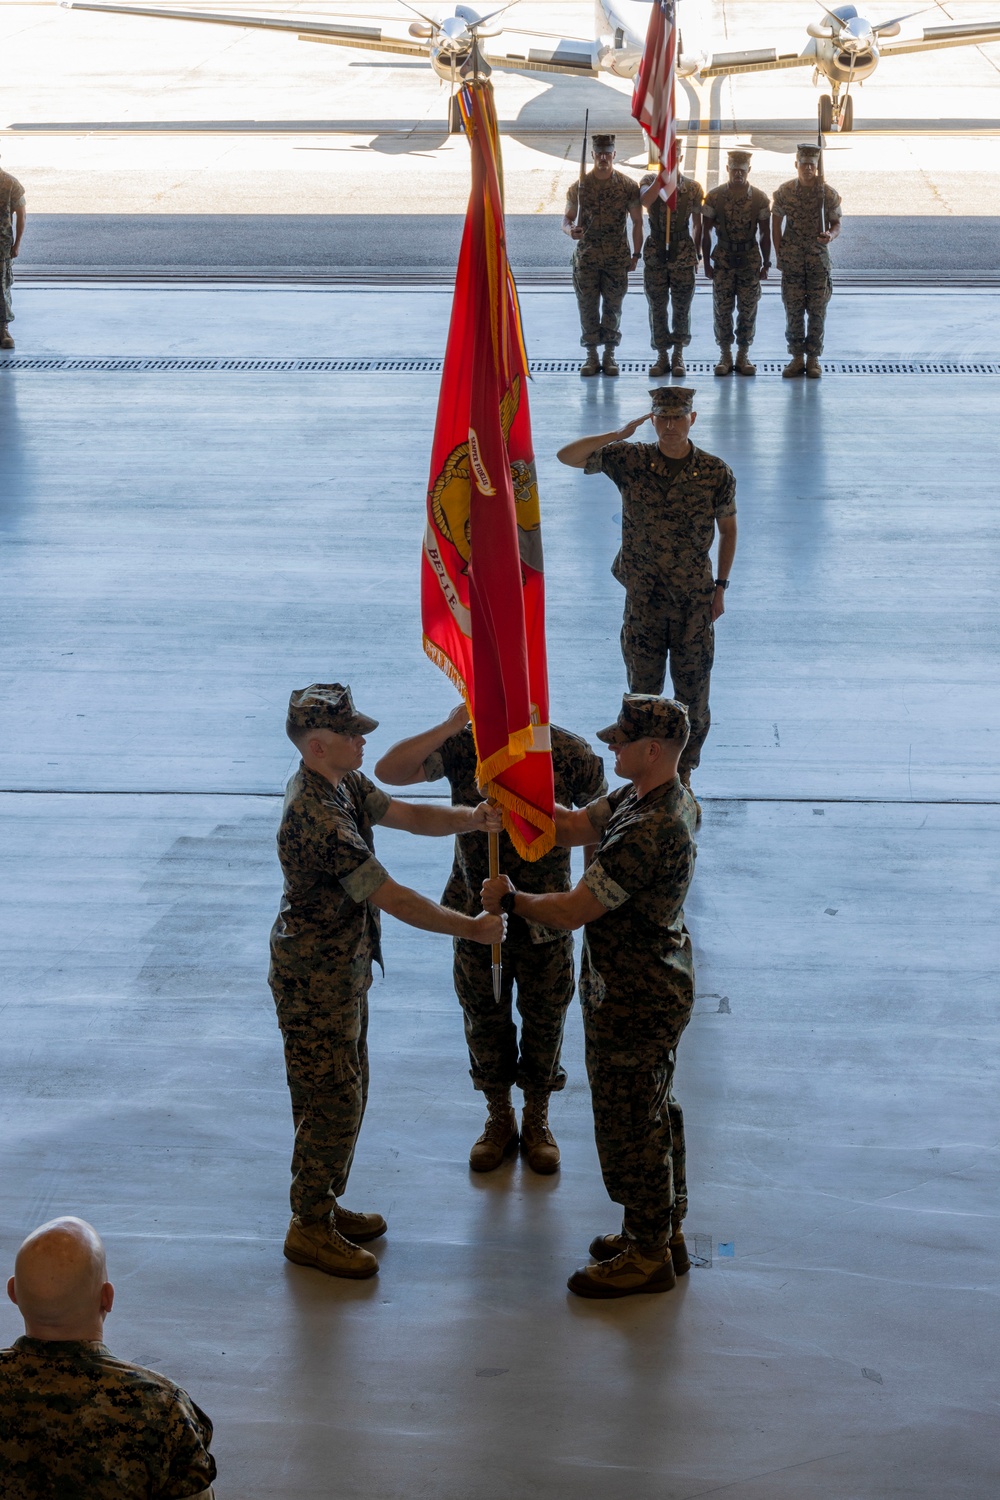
183	547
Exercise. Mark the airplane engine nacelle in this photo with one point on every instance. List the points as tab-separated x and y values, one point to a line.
845	67
818	29
689	63
447	63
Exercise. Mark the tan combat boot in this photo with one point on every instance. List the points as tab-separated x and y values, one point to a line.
538	1145
662	366
607	1246
592	364
677	365
743	364
6	342
358	1228
631	1270
796	366
725	365
322	1246
814	369
500	1138
609	365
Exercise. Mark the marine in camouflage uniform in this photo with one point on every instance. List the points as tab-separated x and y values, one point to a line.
801	236
737	214
11	208
77	1423
668	273
602	260
537	959
323	944
636	992
671	508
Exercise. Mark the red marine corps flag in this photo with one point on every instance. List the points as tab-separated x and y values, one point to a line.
482	586
653	96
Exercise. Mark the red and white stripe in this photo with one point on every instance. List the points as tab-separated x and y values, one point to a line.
653	98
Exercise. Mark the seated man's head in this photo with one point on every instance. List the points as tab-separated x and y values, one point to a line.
327	730
60	1281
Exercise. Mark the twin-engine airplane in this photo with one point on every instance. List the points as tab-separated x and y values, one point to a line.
843	48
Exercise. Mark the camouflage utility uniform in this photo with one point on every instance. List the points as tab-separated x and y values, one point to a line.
602	257
323	943
668	271
669	510
735	214
539	959
11	199
804	263
78	1424
636	992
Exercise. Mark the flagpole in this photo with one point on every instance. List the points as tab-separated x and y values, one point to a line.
494	839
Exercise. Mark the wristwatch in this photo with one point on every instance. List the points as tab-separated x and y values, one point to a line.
507	903
722	583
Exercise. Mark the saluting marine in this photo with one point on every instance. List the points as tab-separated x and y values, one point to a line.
738	215
805	217
674	498
668	271
606	200
539	959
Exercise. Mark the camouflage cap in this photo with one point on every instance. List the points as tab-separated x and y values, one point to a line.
646	716
602	142
327	705
807	152
738	158
672	400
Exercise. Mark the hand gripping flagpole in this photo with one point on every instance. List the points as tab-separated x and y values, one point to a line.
583	168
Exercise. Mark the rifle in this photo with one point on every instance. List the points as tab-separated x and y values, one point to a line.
583	168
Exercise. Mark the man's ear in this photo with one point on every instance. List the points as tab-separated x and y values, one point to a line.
11	1293
694	418
107	1297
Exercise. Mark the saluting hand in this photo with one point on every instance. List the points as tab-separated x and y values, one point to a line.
493	892
630	427
458	718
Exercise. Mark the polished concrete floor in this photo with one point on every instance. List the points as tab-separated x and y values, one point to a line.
180	551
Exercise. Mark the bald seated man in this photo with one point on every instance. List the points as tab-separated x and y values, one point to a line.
75	1422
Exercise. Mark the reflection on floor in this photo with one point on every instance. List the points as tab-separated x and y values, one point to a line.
184	549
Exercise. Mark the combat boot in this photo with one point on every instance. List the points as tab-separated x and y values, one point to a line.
322	1246
685	779
796	366
677	365
500	1138
609	365
358	1228
725	365
662	366
814	369
538	1145
6	342
631	1270
592	364
743	364
607	1246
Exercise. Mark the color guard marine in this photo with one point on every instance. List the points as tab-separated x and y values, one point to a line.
738	215
805	218
599	209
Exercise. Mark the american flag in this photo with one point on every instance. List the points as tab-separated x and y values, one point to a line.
653	99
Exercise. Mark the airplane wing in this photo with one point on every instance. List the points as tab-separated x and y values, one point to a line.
758	60
534	52
932	38
370	38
